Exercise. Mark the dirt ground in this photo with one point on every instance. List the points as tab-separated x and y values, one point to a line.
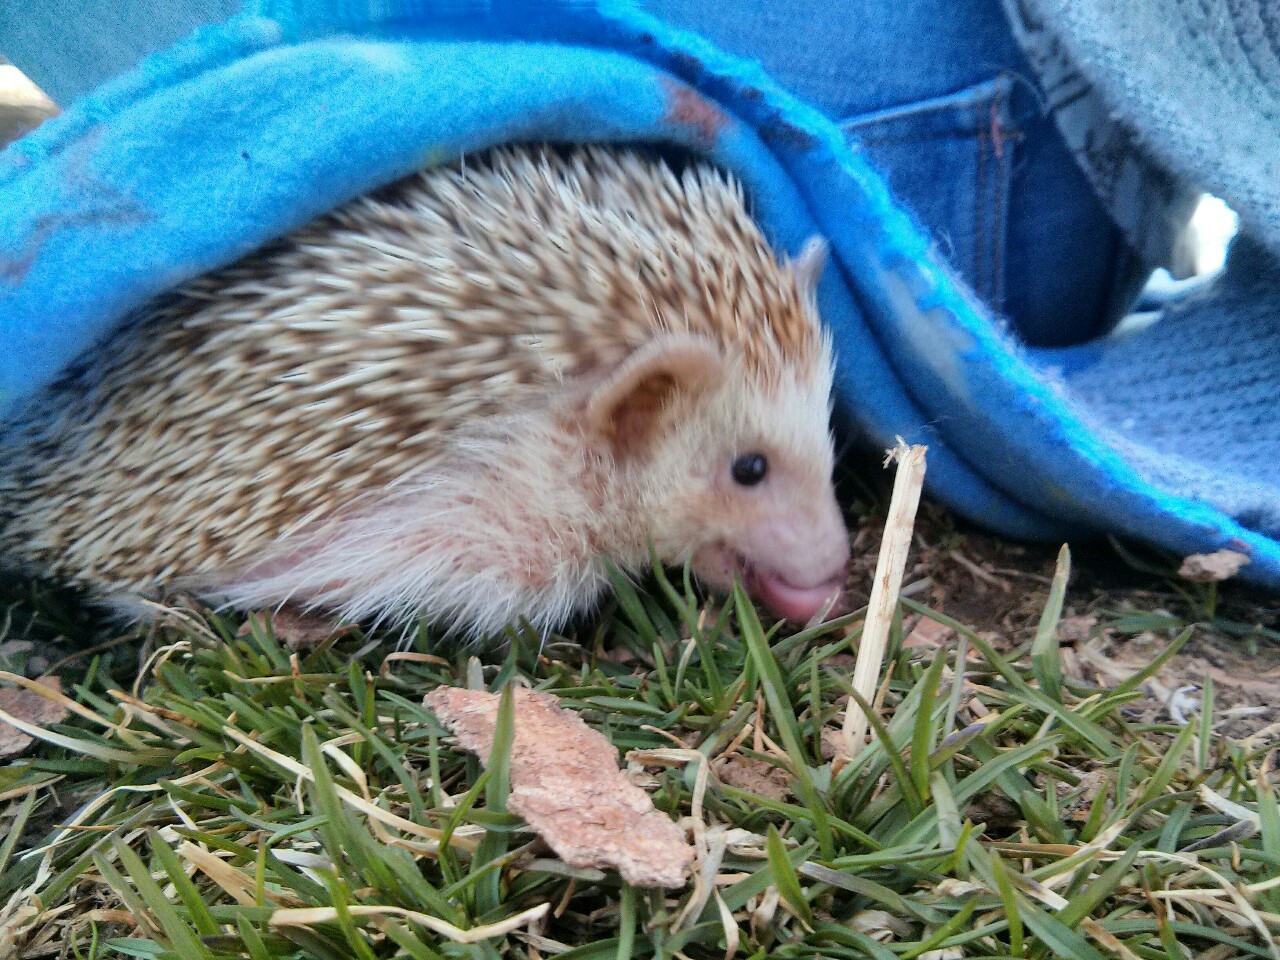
1123	606
1116	618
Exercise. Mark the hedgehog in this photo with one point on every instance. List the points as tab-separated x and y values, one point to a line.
461	396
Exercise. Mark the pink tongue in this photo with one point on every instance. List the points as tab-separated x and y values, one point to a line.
788	601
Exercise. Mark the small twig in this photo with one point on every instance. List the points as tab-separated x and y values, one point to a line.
980	573
890	568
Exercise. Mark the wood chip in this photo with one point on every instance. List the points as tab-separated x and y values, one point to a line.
927	633
567	785
31	707
1212	567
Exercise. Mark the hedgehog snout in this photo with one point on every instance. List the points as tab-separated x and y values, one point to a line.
797	558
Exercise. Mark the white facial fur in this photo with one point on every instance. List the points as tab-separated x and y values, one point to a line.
784	535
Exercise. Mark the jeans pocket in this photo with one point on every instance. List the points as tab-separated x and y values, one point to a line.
950	161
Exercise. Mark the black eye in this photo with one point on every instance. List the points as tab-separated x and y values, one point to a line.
750	468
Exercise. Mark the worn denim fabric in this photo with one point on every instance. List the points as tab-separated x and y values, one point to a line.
69	47
1187	88
945	104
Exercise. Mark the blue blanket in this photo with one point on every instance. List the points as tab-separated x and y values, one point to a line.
248	130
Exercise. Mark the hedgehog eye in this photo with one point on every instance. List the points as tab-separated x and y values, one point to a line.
750	468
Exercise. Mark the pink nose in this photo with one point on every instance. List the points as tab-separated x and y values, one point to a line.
789	601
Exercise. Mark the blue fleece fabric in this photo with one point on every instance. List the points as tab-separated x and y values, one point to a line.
248	130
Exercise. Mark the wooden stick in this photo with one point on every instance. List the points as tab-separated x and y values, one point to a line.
890	568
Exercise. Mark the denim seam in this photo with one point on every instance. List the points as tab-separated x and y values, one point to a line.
1000	223
981	278
974	121
993	195
1000	240
944	104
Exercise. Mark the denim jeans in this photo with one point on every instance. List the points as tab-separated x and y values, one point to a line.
941	98
936	92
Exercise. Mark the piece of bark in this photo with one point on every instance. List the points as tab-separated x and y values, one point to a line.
567	785
27	705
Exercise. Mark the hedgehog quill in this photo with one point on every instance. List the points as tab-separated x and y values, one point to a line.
457	397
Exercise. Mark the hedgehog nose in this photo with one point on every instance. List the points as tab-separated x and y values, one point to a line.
799	565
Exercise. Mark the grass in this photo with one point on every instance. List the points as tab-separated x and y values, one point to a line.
235	799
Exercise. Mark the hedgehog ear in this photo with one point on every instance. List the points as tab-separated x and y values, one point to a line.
626	408
809	264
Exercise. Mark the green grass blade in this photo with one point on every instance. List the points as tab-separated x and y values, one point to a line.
1061	940
488	891
784	718
1005	888
186	890
922	734
15	828
1046	660
943	932
1099	888
1204	740
1099	738
1269	830
626	923
1169	765
1149	671
185	941
785	877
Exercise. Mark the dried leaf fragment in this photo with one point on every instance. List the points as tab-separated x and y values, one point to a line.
1212	567
567	785
29	706
880	925
297	631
